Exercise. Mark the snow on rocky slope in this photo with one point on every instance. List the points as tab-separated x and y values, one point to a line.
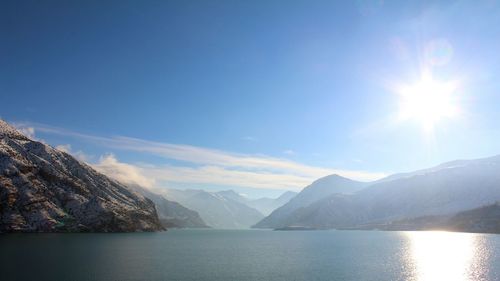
46	190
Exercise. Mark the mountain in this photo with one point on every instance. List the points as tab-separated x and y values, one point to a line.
171	214
479	220
232	195
46	190
484	220
441	191
264	205
268	205
217	210
321	188
446	165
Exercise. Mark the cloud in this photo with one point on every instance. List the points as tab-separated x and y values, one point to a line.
209	166
64	148
80	155
148	175
26	130
123	172
213	157
214	175
289	152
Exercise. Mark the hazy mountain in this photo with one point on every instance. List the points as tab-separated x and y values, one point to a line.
232	195
45	190
171	214
263	205
321	188
436	192
268	205
485	219
446	165
217	210
480	220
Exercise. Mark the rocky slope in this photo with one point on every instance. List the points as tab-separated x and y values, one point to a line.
46	190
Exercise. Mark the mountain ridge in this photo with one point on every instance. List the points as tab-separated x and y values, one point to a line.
171	214
43	189
218	210
446	189
320	188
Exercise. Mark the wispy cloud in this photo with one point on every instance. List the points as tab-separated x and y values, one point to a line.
222	176
123	172
80	155
26	130
212	166
148	175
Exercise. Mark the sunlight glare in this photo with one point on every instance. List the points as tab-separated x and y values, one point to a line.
442	256
427	102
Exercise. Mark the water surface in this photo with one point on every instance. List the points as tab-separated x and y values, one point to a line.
251	255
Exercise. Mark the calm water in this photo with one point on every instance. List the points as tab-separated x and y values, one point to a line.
251	255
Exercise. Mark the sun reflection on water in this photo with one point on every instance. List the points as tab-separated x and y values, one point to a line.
447	256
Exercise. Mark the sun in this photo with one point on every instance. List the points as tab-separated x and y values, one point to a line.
427	101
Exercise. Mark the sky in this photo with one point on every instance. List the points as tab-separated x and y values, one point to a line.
255	96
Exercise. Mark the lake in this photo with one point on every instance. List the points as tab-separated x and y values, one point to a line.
251	255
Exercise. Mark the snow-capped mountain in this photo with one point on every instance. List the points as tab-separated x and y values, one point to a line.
443	190
43	189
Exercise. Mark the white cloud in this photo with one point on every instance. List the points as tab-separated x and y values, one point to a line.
222	176
64	148
213	157
80	155
123	172
209	166
26	130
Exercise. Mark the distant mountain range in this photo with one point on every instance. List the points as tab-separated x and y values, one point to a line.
46	190
170	213
226	209
267	205
198	208
484	219
445	190
264	205
218	209
43	189
318	190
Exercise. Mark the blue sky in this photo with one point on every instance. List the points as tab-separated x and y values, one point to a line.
246	94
